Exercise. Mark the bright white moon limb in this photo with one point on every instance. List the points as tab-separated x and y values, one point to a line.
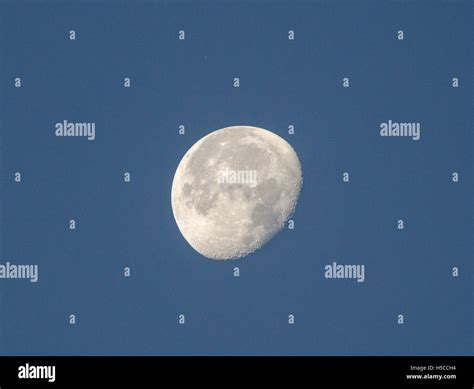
234	190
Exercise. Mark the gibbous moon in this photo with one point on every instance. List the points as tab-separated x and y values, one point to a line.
234	190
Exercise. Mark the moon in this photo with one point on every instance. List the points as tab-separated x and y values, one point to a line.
234	190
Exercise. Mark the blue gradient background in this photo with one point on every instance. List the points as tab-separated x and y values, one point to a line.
282	83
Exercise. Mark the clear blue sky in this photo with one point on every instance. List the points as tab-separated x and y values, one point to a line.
282	82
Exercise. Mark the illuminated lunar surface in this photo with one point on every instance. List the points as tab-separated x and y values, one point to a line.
234	190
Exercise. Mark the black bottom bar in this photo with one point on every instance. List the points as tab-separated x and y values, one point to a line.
134	372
